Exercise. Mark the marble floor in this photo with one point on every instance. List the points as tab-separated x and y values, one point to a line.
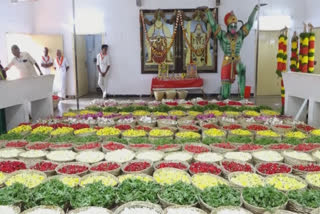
63	106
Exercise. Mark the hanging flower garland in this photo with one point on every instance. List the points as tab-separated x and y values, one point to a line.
312	38
294	54
304	52
187	40
282	63
161	54
282	55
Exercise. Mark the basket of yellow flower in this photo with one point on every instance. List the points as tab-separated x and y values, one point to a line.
188	135
268	134
240	134
105	178
214	133
29	178
85	132
138	167
69	180
313	180
207	180
286	182
133	133
268	113
315	133
241	180
109	132
169	176
61	131
177	113
155	134
141	177
22	130
297	135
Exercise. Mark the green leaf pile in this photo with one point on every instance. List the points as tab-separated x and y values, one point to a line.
221	195
265	197
179	193
308	198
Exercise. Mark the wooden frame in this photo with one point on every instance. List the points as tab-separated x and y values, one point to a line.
178	48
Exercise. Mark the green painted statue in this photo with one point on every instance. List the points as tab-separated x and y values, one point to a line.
231	43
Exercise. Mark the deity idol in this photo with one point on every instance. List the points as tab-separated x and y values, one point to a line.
231	43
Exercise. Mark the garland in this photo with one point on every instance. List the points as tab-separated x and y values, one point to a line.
187	40
304	52
312	39
282	55
294	54
163	53
282	64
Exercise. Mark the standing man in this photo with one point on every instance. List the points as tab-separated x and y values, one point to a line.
23	62
61	65
46	62
103	66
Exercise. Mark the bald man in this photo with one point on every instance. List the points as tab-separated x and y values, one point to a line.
46	62
24	63
61	65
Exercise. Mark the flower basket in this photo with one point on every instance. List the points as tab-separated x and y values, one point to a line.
85	209
209	208
116	146
159	95
302	173
316	211
114	172
294	206
171	94
279	212
147	171
26	171
216	211
141	147
216	149
91	146
169	156
234	174
258	160
153	124
310	184
156	165
169	148
194	209
225	172
73	164
217	160
183	128
62	177
315	156
166	204
100	174
265	175
57	210
139	204
294	161
182	94
61	146
14	209
48	172
212	164
163	123
287	175
205	147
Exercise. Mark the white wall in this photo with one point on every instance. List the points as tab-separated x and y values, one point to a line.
55	17
14	18
312	12
122	28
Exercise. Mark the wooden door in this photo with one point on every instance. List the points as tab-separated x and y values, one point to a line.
268	83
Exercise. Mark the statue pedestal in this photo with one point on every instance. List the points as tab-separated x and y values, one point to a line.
302	89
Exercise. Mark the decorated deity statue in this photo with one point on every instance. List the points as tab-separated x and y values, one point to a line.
231	43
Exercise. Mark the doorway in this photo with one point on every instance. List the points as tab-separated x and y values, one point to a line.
268	82
88	47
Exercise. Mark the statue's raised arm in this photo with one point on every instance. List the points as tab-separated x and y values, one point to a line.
215	27
246	28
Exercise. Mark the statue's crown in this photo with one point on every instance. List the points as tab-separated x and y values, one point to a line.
230	18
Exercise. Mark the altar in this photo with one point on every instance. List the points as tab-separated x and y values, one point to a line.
183	84
302	98
18	94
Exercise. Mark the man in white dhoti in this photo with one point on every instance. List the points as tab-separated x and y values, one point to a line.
61	65
24	63
103	66
46	62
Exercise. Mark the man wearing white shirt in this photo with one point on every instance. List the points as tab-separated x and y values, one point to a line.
24	63
46	62
103	66
61	65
